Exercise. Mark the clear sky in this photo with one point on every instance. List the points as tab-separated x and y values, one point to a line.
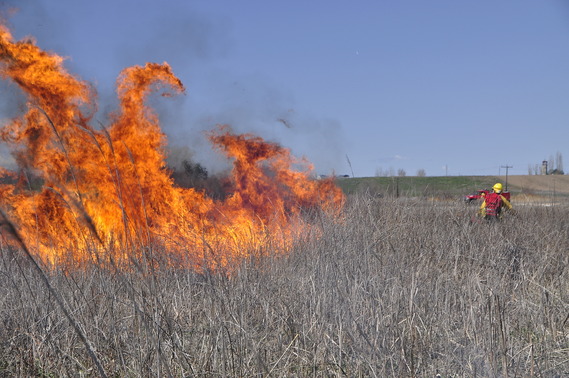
451	87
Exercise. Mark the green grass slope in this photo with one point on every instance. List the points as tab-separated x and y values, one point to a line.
443	186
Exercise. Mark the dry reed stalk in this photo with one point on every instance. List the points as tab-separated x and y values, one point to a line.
59	300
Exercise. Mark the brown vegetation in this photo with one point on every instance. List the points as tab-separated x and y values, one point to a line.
392	288
540	184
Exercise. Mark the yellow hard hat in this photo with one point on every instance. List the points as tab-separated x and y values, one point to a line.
497	187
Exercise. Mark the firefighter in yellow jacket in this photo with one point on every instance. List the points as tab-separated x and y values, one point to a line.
491	208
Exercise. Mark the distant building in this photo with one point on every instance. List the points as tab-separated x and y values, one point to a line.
544	167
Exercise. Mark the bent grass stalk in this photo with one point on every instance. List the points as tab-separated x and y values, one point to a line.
59	300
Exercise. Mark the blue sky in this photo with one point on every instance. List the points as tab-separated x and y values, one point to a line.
451	87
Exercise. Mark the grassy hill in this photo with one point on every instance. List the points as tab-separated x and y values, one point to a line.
416	186
453	186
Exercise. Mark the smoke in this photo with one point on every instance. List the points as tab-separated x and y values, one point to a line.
257	105
102	38
177	155
182	40
11	105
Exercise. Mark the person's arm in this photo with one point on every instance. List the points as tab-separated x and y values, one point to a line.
482	209
506	202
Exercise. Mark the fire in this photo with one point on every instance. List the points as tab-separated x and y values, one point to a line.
105	192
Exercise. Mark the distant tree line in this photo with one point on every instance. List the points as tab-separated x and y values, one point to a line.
380	172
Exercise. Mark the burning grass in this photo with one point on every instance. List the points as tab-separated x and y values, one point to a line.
106	191
391	288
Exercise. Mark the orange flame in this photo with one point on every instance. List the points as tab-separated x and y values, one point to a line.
111	186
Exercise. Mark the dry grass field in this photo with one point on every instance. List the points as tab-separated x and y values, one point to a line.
550	184
400	282
392	288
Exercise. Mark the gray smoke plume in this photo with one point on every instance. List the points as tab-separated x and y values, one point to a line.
193	44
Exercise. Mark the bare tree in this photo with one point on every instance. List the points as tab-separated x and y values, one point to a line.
421	173
401	172
559	162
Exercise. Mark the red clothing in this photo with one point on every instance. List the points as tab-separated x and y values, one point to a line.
492	205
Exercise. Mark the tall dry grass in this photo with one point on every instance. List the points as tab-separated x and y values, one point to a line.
393	288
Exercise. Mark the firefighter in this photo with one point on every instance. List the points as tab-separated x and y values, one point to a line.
491	208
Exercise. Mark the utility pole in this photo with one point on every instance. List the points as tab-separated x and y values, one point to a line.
507	167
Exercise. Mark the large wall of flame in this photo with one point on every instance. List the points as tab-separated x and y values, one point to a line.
106	190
